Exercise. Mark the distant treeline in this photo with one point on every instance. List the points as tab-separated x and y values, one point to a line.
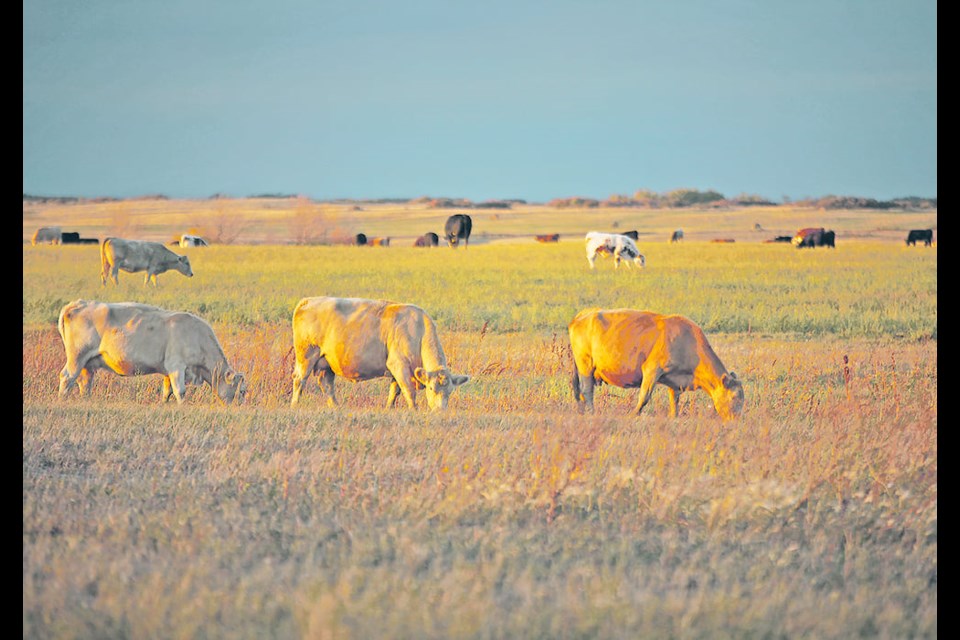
76	200
678	198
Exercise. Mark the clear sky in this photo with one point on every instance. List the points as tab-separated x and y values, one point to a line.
481	99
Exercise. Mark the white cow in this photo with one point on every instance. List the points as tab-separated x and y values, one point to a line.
133	256
187	240
132	339
619	246
46	235
359	339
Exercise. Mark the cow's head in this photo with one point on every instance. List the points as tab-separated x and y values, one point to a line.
232	386
183	266
728	396
438	385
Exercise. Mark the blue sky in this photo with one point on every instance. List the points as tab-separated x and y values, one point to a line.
482	100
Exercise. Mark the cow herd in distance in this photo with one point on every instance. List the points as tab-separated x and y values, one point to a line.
361	339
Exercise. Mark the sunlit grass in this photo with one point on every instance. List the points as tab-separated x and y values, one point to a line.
511	515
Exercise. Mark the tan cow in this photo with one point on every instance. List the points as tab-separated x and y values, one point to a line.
132	339
46	235
360	339
139	255
629	349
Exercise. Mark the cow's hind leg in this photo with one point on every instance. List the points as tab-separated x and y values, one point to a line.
67	381
79	375
325	378
305	363
85	381
587	382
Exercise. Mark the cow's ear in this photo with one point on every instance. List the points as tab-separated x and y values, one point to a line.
730	380
458	380
421	375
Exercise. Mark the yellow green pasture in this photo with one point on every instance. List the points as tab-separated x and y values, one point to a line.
511	515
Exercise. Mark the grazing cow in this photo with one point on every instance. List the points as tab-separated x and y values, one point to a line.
677	236
617	245
549	237
920	235
187	240
458	227
360	240
629	349
139	255
132	339
69	237
429	239
361	339
808	237
379	242
46	235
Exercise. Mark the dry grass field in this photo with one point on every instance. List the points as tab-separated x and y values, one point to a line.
510	515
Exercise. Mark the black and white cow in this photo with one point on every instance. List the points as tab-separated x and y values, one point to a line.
619	246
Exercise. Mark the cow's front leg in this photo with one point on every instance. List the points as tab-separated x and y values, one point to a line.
403	377
674	401
650	379
167	389
177	384
393	393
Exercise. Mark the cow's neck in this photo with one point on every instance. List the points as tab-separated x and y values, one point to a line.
709	373
431	351
214	368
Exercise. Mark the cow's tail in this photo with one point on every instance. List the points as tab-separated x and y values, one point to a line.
103	261
575	383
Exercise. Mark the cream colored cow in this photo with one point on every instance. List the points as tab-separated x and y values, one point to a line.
361	339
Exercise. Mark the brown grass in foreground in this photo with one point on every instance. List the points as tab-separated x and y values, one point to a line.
815	515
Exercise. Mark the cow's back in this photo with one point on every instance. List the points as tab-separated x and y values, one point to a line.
347	331
617	342
84	323
50	235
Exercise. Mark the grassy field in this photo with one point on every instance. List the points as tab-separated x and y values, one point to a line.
510	515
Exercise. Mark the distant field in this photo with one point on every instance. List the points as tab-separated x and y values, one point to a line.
301	221
814	515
